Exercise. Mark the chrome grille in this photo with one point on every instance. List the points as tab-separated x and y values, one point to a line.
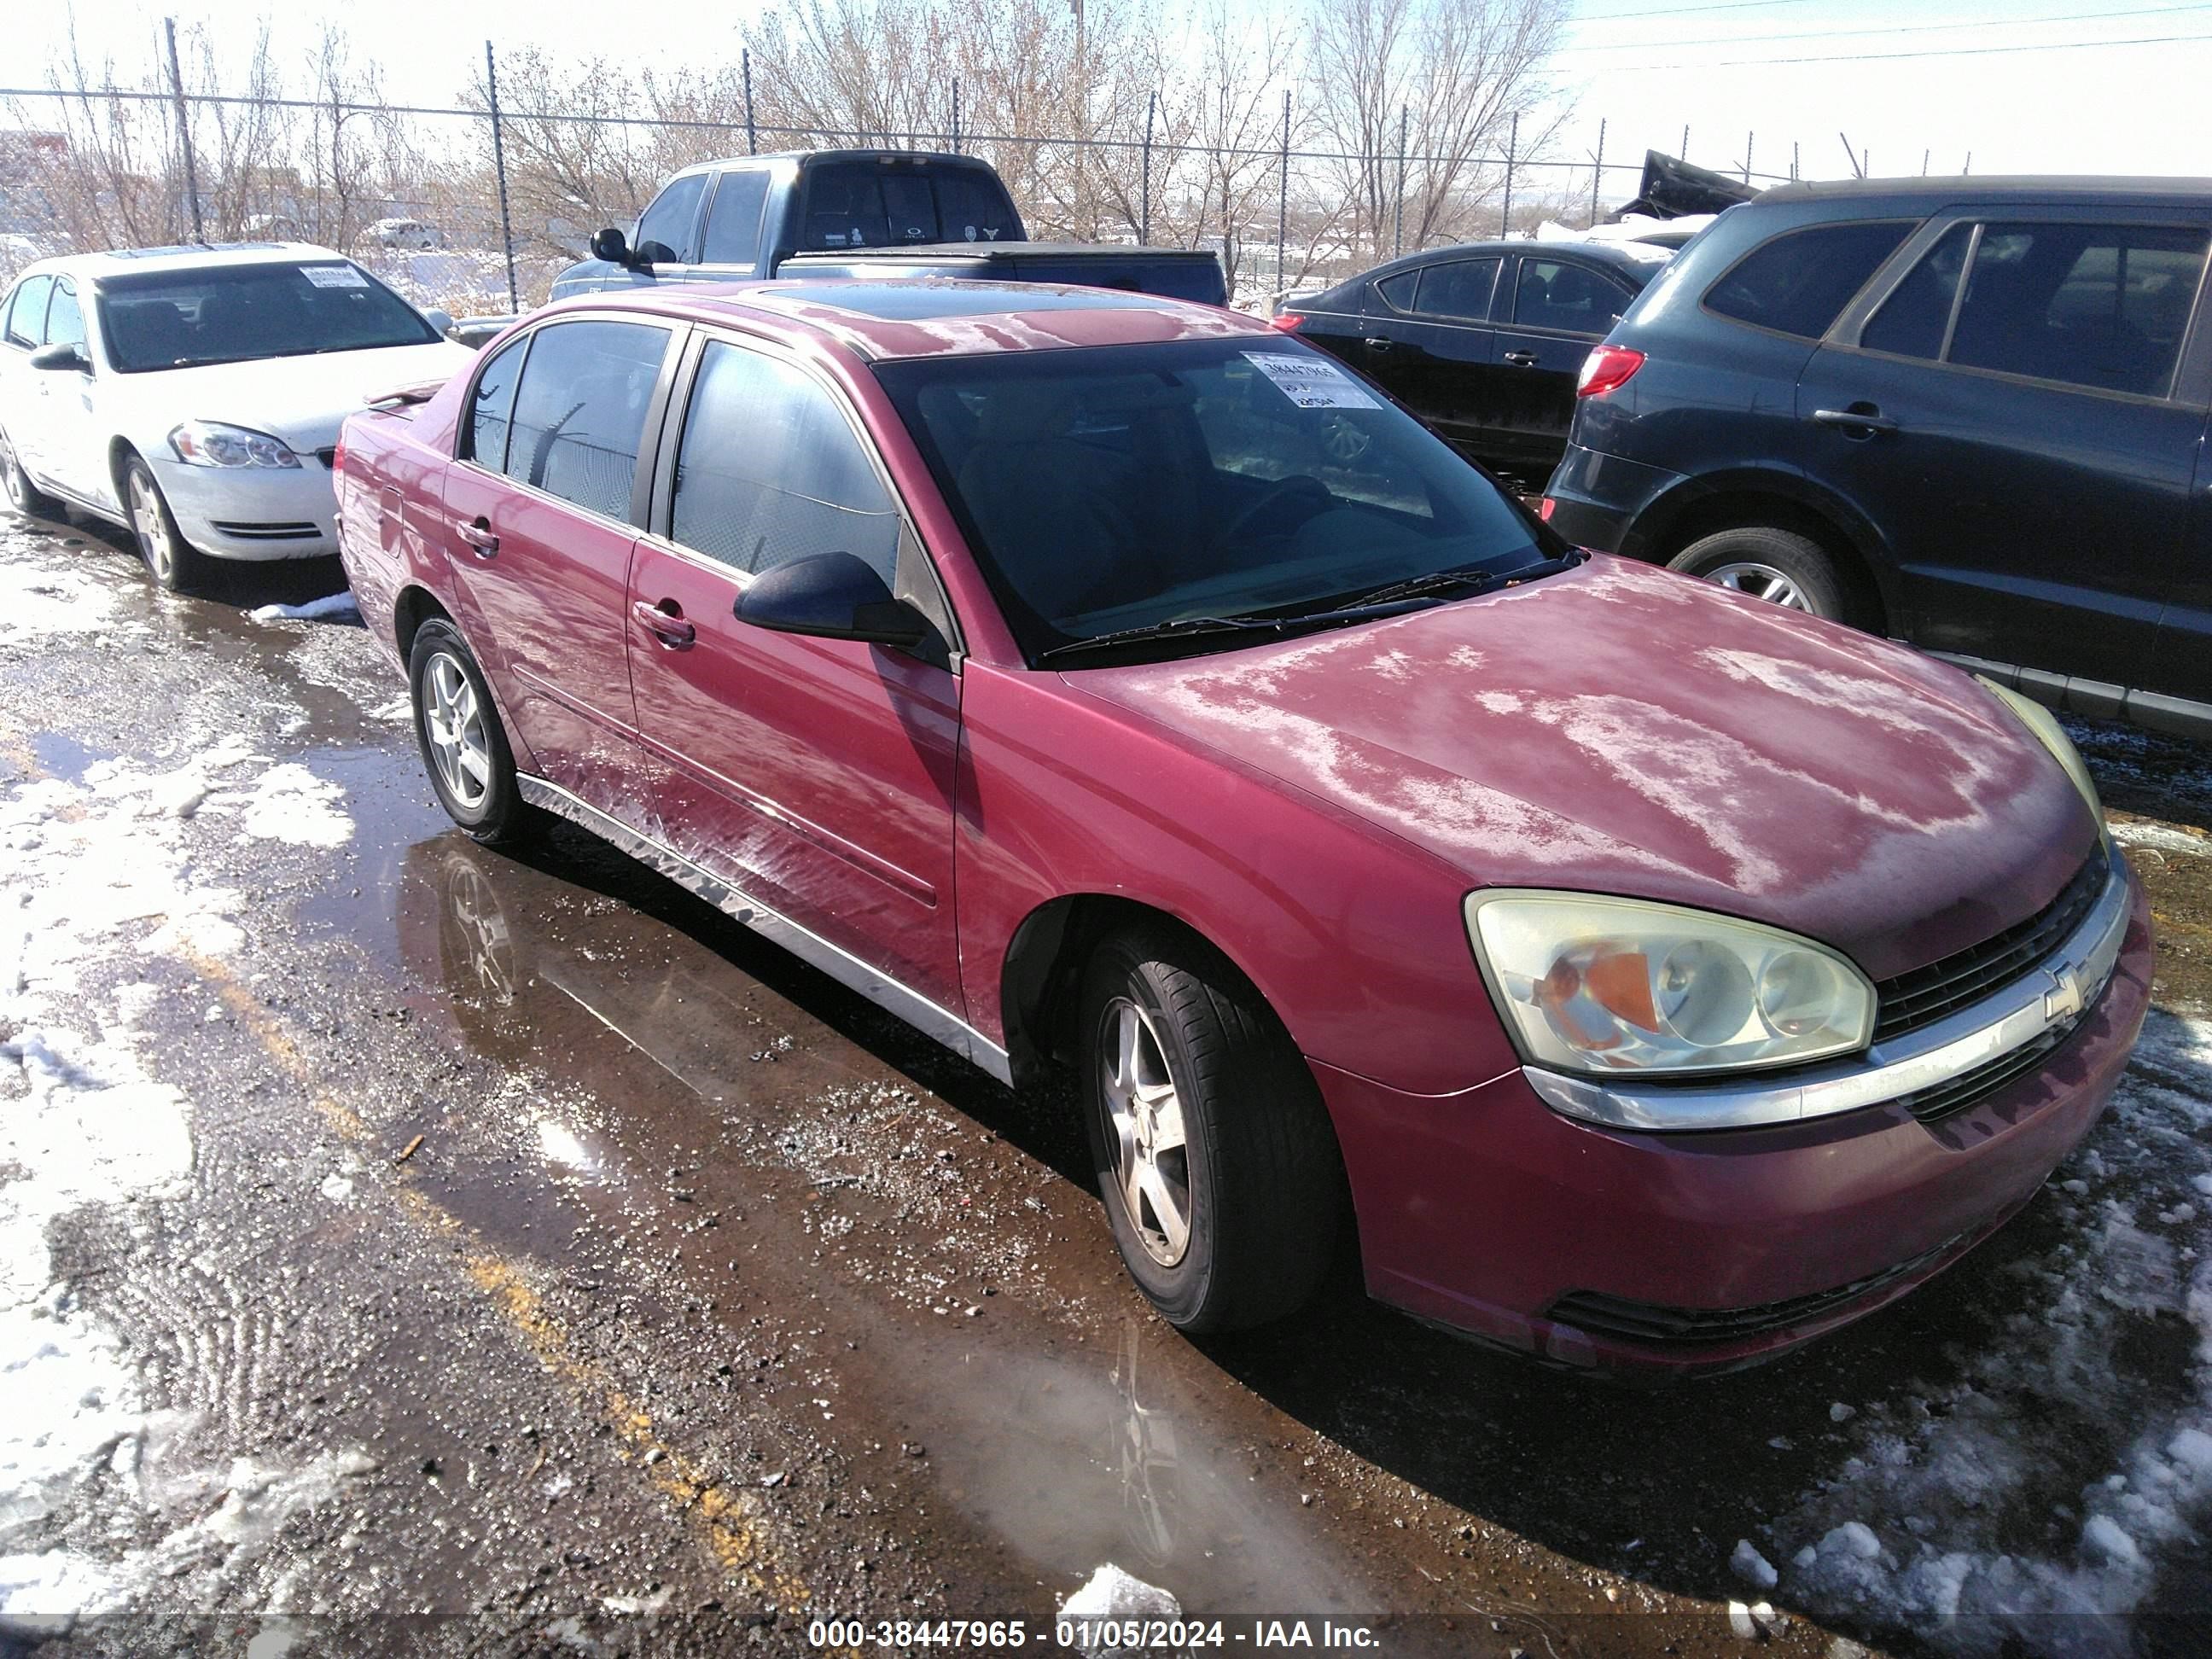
1920	998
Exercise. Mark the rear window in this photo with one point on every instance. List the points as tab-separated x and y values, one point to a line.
866	205
1799	282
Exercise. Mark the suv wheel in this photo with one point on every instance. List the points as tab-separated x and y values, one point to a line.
26	497
1778	566
464	747
1215	1154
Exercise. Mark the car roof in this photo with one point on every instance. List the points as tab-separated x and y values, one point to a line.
148	261
817	157
883	318
1994	187
1603	253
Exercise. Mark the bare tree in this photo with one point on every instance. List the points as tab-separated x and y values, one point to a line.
1450	74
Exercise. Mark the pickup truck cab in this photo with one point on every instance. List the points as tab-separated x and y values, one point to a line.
863	213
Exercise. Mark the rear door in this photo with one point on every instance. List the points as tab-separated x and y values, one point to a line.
1553	309
542	509
815	774
2013	414
1432	347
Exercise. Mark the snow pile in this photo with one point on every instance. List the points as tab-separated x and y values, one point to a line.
289	803
35	601
1977	1512
333	605
1112	1593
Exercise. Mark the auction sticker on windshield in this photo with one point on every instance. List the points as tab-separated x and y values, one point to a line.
1311	382
334	277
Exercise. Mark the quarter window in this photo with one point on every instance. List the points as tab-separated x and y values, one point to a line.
27	315
733	221
580	412
1397	291
769	469
1554	294
2102	305
1800	282
1458	292
1912	320
663	229
491	405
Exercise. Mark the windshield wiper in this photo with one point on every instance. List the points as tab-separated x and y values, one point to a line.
1181	627
1468	582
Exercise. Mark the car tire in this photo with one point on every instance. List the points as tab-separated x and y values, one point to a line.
1215	1154
1780	566
176	564
26	497
464	747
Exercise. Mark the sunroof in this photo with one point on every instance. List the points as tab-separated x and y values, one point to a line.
917	301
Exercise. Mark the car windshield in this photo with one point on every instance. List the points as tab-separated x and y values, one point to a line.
231	314
1120	489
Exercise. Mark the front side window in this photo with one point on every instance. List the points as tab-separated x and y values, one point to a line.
733	221
26	313
1912	321
1557	294
1457	292
580	412
663	229
235	313
1125	487
64	317
1800	282
769	469
491	405
2103	306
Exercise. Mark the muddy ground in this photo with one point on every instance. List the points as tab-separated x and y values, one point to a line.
408	1247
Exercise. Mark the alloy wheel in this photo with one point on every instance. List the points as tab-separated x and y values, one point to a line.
1145	1125
1759	581
152	525
453	721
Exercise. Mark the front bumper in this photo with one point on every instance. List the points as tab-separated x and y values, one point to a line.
1493	1213
253	513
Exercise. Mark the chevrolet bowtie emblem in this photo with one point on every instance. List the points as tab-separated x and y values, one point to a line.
2063	1000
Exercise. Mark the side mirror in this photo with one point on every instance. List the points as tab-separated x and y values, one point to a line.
440	320
61	356
611	245
831	596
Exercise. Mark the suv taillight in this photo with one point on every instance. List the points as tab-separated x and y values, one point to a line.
1607	368
1289	321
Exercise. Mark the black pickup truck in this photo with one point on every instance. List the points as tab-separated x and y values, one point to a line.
882	213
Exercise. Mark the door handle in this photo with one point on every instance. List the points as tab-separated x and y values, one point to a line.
1522	359
478	533
664	622
1864	417
1378	345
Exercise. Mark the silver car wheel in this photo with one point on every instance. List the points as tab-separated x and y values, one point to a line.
1143	1114
152	525
452	720
1759	581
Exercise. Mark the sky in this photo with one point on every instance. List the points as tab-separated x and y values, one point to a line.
2109	86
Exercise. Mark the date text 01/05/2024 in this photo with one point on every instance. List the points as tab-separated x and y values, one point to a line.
1082	1635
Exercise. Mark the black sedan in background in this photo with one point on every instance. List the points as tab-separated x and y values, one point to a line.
1482	341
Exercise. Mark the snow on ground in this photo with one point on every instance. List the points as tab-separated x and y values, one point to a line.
331	605
1993	1497
95	877
36	599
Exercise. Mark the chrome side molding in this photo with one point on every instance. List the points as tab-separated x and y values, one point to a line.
848	970
2055	992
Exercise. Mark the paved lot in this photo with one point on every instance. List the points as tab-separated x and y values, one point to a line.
709	1301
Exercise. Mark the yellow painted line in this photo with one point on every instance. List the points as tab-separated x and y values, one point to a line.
735	1524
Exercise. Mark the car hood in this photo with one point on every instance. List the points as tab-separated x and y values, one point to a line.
302	400
1621	729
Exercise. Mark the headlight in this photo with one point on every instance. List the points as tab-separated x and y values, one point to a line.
2052	736
210	443
1594	984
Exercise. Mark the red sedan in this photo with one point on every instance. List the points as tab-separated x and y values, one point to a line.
1655	978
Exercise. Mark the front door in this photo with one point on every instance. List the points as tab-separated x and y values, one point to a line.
541	514
1559	309
815	774
2014	419
69	441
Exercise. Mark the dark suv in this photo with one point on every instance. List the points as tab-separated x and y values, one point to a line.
1969	413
